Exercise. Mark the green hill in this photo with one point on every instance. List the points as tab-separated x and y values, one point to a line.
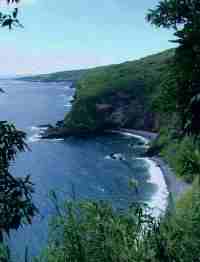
72	75
119	95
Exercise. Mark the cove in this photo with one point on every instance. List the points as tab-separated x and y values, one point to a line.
73	167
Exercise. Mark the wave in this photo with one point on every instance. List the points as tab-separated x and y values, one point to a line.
37	135
67	105
38	128
125	133
159	200
34	138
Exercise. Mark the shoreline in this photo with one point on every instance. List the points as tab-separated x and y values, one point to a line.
176	187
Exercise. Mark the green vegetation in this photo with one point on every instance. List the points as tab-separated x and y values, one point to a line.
182	154
179	95
170	89
92	231
115	96
10	20
95	232
72	75
119	95
165	89
16	206
184	18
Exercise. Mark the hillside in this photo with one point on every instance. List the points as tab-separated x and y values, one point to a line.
72	75
119	95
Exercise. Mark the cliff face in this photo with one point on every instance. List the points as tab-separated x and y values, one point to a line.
119	96
126	111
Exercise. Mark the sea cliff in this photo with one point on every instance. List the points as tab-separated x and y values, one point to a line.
116	96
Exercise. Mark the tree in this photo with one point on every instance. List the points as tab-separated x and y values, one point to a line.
184	17
10	20
16	206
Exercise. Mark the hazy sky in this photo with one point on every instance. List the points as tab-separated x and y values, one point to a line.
72	34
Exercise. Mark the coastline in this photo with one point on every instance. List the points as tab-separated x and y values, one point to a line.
176	187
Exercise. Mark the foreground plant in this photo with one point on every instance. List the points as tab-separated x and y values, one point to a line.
94	231
16	206
184	18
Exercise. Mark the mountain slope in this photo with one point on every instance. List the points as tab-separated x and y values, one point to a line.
72	75
119	95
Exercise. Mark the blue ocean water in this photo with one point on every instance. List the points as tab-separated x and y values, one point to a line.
73	166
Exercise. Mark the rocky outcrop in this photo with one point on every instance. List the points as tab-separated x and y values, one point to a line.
116	96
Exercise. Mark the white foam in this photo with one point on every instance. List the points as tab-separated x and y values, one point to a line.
37	128
143	139
37	133
107	157
37	138
56	139
159	200
145	146
101	189
70	98
34	128
34	138
115	156
67	105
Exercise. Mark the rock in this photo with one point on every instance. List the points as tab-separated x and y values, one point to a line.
55	132
45	126
60	123
72	85
117	156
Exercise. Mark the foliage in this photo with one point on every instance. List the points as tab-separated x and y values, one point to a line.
73	75
127	89
94	231
4	254
10	20
182	153
182	232
118	95
165	99
16	205
184	18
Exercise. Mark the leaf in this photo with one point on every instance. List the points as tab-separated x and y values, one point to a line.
15	13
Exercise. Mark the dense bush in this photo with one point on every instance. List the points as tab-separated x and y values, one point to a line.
16	206
126	90
182	153
4	254
96	232
182	232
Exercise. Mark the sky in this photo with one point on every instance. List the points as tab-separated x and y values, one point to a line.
72	34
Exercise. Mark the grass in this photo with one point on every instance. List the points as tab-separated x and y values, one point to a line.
97	232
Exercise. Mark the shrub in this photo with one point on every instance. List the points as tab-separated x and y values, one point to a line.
96	232
184	157
4	254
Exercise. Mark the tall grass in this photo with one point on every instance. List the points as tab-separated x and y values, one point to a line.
97	232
